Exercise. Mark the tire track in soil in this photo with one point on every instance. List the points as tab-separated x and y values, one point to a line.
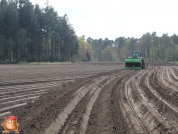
4	84
166	120
30	115
166	79
79	123
77	97
153	116
112	103
163	91
16	97
173	75
121	123
78	120
35	117
150	120
107	115
175	71
137	105
80	117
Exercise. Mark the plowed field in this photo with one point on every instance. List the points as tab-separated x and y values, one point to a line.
90	98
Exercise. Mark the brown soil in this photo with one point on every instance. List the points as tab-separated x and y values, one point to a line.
90	98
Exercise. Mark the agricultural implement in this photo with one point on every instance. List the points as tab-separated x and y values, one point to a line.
87	58
135	62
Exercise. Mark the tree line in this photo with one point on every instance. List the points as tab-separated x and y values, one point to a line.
29	33
153	47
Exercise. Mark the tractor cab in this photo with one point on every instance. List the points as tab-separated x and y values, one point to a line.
136	54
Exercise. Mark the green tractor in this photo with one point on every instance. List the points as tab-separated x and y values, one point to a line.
135	62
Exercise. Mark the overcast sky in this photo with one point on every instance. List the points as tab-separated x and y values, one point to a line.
116	18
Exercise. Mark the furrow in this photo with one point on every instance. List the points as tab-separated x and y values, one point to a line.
133	110
55	127
159	107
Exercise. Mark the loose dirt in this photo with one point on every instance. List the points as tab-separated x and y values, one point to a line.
90	98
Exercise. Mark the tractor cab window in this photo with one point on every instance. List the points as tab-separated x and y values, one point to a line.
135	54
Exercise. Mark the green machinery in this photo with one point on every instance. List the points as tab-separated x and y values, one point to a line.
135	62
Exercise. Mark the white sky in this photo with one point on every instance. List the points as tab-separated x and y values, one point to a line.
118	18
